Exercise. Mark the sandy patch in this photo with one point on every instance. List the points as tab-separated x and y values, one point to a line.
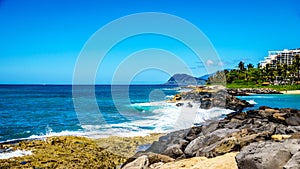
291	92
226	161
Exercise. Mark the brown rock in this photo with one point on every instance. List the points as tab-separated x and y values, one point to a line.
219	148
271	111
279	116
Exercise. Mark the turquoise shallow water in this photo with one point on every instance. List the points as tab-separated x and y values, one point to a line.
274	100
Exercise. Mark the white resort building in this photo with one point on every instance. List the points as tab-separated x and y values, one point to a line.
285	56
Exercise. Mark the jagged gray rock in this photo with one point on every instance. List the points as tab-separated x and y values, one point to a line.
268	155
294	162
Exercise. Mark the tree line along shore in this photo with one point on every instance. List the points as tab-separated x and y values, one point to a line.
282	77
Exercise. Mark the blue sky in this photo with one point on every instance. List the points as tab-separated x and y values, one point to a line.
41	40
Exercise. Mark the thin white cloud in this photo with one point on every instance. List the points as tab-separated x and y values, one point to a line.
209	62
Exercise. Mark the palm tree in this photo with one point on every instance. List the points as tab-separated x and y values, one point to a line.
257	75
258	65
241	66
285	72
291	73
278	72
250	66
296	65
272	74
266	72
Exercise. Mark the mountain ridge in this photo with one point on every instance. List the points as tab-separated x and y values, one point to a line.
185	79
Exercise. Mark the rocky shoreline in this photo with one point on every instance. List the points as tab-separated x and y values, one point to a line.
262	138
273	134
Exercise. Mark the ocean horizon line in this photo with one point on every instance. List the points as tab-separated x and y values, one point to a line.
135	84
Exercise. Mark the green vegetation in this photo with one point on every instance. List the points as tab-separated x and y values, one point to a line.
280	77
275	87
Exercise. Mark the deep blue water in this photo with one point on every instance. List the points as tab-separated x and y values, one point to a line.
32	110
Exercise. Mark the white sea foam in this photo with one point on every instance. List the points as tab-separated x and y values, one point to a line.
148	104
49	133
164	117
261	96
211	114
185	90
174	88
53	134
251	101
16	153
169	96
98	131
185	116
179	89
95	127
129	130
168	117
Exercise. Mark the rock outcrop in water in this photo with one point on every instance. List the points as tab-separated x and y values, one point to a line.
266	138
210	97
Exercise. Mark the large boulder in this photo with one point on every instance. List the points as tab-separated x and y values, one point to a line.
268	155
221	147
294	162
193	133
169	140
174	151
236	104
211	127
206	145
194	146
